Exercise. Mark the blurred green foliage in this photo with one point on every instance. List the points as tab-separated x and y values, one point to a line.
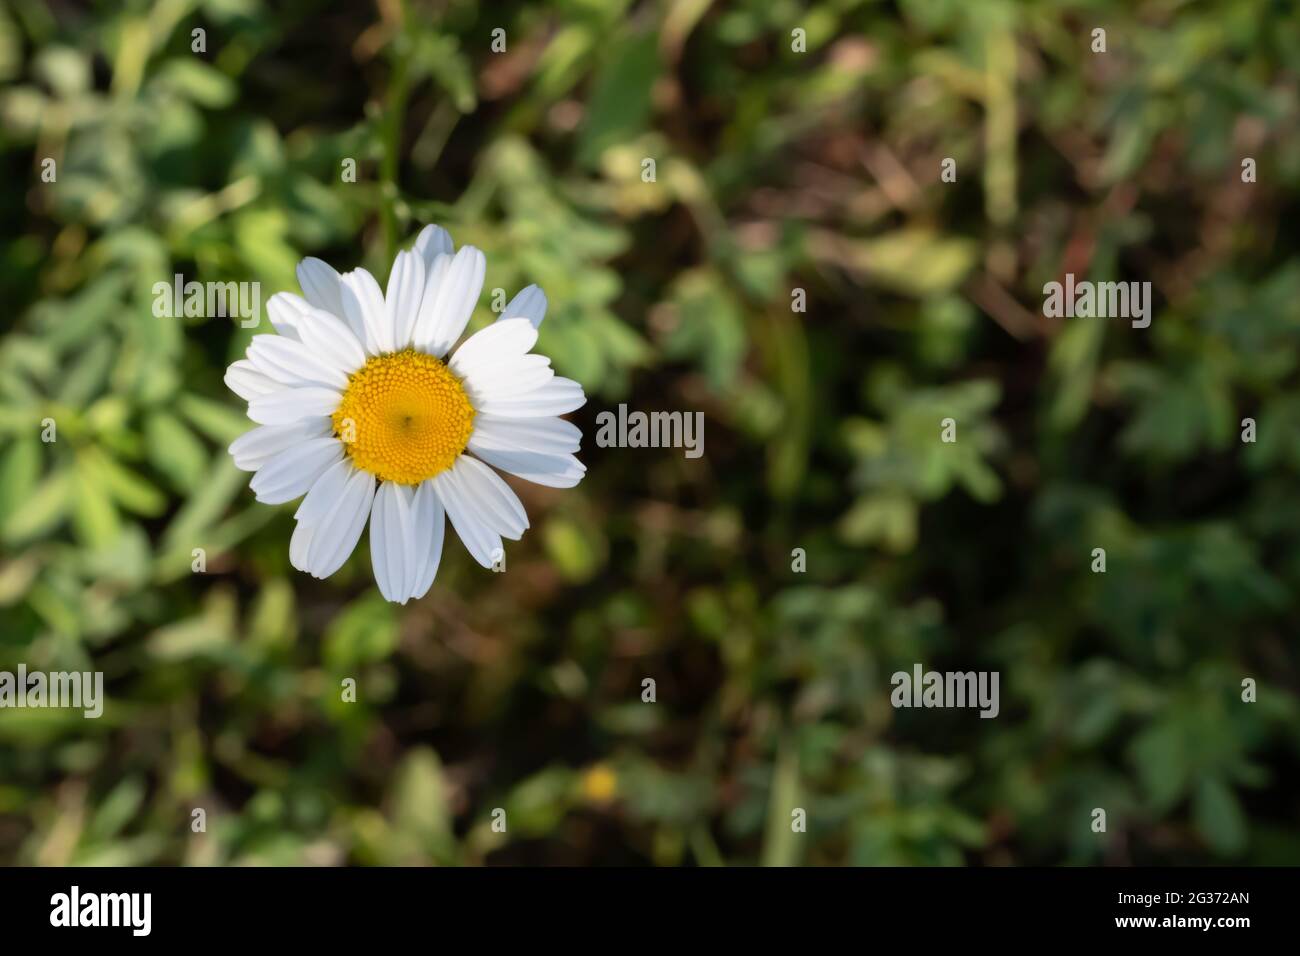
776	170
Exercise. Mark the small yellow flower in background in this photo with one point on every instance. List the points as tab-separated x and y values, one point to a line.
359	412
599	783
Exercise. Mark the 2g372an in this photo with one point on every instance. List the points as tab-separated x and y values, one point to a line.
1203	897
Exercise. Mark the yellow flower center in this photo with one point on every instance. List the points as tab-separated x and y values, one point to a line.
404	417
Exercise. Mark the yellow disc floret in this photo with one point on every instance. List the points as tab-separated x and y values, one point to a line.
404	417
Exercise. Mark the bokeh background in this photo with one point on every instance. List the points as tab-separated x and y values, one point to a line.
776	170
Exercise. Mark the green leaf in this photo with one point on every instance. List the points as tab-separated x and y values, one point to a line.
1162	762
568	546
620	101
365	631
197	81
43	511
94	515
128	488
1219	817
20	468
173	450
421	813
216	420
203	508
117	809
916	261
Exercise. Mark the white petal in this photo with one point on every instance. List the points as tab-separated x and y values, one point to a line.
430	525
432	242
553	471
497	504
502	340
286	312
329	337
300	545
316	506
363	306
434	275
291	404
252	449
320	285
336	537
247	382
291	473
529	304
402	300
392	541
556	397
480	540
550	436
290	362
443	319
507	379
324	495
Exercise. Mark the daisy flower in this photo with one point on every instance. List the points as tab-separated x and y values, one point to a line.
358	410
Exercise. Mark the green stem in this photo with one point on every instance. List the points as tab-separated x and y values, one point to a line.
393	114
